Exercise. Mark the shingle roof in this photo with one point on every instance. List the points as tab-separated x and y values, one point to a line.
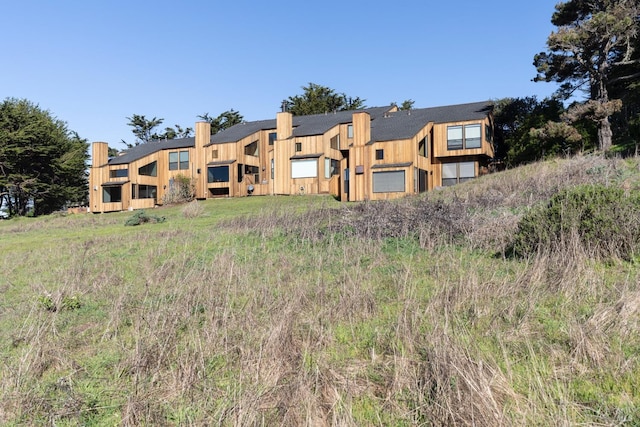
317	124
142	150
405	124
237	132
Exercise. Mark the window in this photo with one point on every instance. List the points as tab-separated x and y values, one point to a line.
304	168
178	160
184	160
388	182
273	169
349	131
298	147
254	171
422	147
173	161
379	154
488	132
464	137
331	167
150	169
112	194
218	174
335	142
454	173
119	173
272	138
143	191
214	154
251	149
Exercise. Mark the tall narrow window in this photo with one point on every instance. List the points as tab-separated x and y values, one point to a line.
173	160
272	137
349	131
298	146
422	147
335	142
379	154
184	160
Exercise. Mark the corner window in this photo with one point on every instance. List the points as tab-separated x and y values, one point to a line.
455	173
464	137
331	167
150	169
379	154
218	174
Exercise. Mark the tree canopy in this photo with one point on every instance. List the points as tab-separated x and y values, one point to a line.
592	48
223	121
42	162
144	130
318	99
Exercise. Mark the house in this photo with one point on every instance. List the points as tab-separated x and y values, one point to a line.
370	154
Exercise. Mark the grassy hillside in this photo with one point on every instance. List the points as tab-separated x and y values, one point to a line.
305	311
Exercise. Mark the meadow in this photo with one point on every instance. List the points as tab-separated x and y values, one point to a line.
302	310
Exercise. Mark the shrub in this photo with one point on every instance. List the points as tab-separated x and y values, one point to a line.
181	190
192	210
602	219
141	217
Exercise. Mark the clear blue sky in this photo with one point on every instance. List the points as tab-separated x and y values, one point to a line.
94	63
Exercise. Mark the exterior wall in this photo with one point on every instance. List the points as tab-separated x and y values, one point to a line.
440	140
271	166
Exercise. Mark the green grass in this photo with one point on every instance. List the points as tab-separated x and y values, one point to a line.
284	311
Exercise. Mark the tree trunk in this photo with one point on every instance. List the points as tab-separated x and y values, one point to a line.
605	135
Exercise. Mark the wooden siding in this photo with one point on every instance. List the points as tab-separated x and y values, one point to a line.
357	154
440	140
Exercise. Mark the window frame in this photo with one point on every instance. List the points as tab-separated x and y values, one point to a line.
464	142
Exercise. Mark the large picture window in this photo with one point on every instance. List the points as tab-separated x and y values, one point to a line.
143	191
388	182
112	194
304	168
454	173
464	137
218	174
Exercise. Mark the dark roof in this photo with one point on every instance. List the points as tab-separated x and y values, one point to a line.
221	163
317	124
306	156
391	165
114	183
142	150
237	132
405	124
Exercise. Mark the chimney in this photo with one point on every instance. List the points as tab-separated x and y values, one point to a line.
284	125
361	128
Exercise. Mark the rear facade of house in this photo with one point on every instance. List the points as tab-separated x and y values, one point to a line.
371	154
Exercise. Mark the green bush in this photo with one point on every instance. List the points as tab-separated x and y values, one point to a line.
604	220
141	217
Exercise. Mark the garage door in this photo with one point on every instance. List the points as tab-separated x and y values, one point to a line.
388	182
